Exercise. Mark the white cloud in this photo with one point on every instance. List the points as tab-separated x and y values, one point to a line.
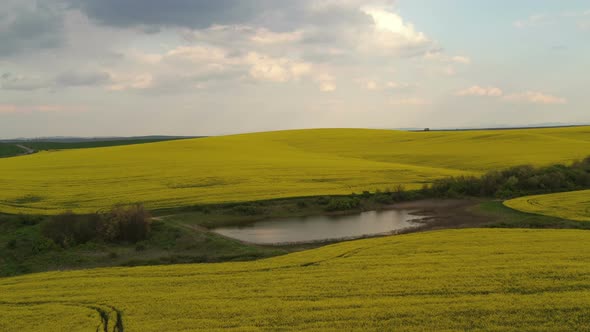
438	55
391	33
533	97
400	85
376	85
326	83
476	90
43	108
371	85
414	101
196	54
267	68
448	70
444	64
394	27
554	18
202	66
124	81
529	97
144	58
461	59
265	36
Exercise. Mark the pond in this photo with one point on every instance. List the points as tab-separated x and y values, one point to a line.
323	228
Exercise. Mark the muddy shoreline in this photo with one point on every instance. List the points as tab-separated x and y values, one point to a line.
447	213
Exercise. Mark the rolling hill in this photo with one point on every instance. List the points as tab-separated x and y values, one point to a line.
475	279
269	165
573	205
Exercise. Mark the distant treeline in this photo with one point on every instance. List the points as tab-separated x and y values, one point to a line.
10	150
46	145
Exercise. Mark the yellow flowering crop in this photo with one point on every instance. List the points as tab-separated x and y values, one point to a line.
452	280
574	205
269	165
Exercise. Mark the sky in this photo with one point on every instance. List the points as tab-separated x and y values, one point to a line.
200	67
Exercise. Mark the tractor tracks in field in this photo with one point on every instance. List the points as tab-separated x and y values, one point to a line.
110	317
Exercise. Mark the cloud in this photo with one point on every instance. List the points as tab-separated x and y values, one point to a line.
394	26
371	85
83	78
201	14
414	101
532	21
315	29
7	108
205	62
183	13
391	33
443	63
265	36
476	90
529	97
400	85
461	59
263	67
376	85
8	81
43	108
28	26
326	83
533	97
126	81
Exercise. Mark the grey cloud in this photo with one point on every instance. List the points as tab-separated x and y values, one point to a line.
199	14
186	13
28	26
83	78
178	84
22	83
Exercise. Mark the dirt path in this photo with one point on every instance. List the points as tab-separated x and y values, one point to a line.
26	148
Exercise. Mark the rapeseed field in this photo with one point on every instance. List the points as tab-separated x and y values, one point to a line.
574	205
452	280
269	165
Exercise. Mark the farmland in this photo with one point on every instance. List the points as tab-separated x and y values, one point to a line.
475	279
569	205
269	165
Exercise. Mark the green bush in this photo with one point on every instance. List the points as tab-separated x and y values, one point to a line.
120	224
343	204
127	223
323	200
69	229
247	210
515	181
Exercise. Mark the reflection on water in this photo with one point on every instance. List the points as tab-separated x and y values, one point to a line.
318	228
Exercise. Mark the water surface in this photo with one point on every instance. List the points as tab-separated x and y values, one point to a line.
321	228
